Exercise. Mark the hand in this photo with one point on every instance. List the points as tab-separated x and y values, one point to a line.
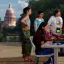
26	28
52	37
26	24
42	42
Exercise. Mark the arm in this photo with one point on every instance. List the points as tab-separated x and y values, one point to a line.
23	21
57	36
50	39
49	21
35	25
42	42
61	21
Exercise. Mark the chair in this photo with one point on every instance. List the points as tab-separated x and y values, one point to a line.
36	61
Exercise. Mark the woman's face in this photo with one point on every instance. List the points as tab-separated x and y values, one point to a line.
41	15
45	28
58	14
30	11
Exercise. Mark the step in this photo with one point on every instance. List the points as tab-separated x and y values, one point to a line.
61	63
20	60
61	59
12	59
16	62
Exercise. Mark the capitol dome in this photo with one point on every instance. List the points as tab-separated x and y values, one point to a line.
9	11
10	19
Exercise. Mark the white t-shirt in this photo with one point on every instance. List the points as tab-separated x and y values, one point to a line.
56	23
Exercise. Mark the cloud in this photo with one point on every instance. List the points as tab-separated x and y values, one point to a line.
23	4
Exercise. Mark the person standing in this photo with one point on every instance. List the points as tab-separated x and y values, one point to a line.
25	34
38	20
56	22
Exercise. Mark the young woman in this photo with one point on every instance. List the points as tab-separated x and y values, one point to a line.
56	22
41	37
25	34
38	20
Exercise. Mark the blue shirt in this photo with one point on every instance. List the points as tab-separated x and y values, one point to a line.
37	23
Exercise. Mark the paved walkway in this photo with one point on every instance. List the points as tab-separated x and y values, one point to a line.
7	50
10	53
11	49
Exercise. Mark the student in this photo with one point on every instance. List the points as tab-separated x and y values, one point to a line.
38	20
25	34
41	37
56	22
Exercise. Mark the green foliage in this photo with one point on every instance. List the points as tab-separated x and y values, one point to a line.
0	18
12	39
47	6
1	36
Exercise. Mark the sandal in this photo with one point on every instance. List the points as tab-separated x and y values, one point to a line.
26	59
30	59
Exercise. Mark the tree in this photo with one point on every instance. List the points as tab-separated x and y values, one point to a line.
47	6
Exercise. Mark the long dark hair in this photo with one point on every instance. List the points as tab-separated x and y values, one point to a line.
43	24
25	11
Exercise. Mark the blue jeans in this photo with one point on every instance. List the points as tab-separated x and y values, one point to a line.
47	51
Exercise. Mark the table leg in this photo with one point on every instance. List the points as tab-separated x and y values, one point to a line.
55	55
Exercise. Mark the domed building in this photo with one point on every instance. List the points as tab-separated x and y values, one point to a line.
9	19
9	33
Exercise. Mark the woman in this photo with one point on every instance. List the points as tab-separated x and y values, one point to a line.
56	22
38	20
41	37
25	34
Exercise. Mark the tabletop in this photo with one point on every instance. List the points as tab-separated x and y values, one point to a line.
52	46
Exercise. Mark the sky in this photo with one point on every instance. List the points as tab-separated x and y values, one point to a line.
17	6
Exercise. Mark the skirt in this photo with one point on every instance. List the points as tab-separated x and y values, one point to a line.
25	42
